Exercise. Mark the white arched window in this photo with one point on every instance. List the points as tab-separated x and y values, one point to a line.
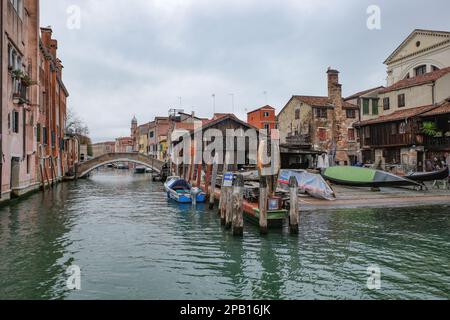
420	70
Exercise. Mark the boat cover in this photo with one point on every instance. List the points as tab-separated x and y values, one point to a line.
178	184
308	183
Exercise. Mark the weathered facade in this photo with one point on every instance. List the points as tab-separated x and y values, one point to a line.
321	124
124	145
393	119
222	123
396	138
101	148
51	127
36	149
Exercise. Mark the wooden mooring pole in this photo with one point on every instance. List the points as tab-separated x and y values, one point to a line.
263	194
237	227
294	207
213	185
229	208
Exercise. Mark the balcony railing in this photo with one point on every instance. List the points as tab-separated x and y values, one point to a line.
20	94
437	141
304	139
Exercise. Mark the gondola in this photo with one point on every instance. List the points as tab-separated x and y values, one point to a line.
429	176
363	177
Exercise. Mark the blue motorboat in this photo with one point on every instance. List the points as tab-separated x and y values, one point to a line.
182	192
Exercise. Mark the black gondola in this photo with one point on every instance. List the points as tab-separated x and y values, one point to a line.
429	176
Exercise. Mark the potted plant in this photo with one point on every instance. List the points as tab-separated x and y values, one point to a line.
17	74
430	129
27	81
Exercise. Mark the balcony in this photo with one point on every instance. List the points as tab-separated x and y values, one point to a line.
299	140
437	141
20	94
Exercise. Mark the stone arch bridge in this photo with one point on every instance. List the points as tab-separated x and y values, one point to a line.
86	167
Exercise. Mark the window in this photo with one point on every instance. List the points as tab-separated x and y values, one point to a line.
17	4
401	100
28	164
420	70
394	129
10	57
38	132
367	132
402	128
15	122
351	134
266	114
366	106
386	104
375	106
351	113
297	114
44	135
322	134
151	134
321	113
267	126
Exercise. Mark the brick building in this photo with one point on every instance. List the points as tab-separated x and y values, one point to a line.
319	124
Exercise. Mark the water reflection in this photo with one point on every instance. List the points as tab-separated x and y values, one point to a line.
131	242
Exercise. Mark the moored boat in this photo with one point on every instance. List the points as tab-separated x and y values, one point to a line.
181	191
363	177
308	183
429	176
140	170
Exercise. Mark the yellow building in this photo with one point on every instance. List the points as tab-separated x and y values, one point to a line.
142	132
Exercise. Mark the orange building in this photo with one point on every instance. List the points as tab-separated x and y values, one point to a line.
53	143
263	118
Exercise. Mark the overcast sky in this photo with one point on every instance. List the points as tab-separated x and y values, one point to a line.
137	57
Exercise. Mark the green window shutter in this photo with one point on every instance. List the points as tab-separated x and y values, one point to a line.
38	133
375	107
366	106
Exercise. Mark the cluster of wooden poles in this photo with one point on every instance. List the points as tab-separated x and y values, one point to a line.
231	200
46	180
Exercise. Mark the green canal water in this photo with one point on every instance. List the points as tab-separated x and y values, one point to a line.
131	243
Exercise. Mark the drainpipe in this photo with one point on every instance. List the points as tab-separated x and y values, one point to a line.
433	92
1	96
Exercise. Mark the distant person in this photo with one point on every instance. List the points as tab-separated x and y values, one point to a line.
428	165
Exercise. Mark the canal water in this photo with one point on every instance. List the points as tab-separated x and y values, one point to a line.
131	243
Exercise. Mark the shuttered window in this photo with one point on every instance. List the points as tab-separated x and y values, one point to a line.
375	106
366	106
401	100
351	134
38	132
322	134
386	104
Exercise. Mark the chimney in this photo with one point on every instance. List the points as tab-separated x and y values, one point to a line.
334	88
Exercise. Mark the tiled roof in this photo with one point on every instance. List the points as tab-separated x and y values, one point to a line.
442	109
315	101
262	108
398	115
325	102
359	94
417	81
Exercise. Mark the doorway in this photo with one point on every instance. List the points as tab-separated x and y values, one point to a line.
15	173
420	165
